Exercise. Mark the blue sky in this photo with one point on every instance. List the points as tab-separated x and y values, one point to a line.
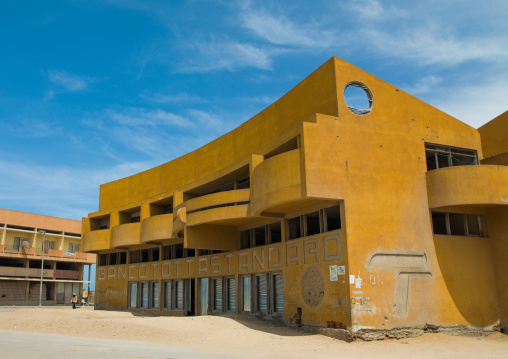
93	91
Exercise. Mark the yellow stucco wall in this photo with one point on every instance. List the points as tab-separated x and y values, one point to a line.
494	136
375	166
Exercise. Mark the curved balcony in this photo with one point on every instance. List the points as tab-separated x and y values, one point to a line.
217	207
95	241
276	181
468	185
179	220
125	235
157	228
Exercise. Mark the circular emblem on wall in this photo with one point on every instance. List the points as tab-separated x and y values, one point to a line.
312	286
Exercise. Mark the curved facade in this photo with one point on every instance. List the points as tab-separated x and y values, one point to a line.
316	213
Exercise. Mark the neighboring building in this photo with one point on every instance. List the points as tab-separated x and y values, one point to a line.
318	212
21	251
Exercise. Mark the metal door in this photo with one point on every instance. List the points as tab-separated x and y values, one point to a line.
179	294
144	295
203	296
246	294
231	294
217	298
68	292
133	292
278	297
262	301
155	295
167	295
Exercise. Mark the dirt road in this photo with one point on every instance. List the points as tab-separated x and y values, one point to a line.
239	336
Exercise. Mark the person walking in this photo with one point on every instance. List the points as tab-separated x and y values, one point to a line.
74	300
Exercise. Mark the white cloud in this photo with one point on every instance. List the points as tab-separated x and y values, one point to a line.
61	191
374	10
423	85
174	98
475	104
434	47
225	54
132	116
69	82
282	31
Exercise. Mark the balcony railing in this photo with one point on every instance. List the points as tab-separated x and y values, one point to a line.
48	253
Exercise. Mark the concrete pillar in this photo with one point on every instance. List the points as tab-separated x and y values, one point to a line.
27	291
4	233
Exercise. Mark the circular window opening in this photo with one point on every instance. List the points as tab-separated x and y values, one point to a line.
358	98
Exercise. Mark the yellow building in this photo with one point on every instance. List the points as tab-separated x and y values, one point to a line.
24	239
321	214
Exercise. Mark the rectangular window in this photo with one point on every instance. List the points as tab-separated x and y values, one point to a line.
103	259
122	258
104	223
439	223
167	208
332	216
135	217
442	156
178	251
145	255
260	236
17	243
275	233
458	224
135	257
243	183
245	239
73	248
474	227
166	253
313	223
294	228
155	254
113	259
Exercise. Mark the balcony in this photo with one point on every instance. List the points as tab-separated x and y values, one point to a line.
485	185
36	253
95	241
26	272
276	182
125	235
157	228
218	207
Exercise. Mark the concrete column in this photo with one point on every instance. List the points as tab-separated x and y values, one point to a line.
27	291
4	233
34	242
61	246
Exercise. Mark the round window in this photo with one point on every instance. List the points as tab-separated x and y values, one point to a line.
358	98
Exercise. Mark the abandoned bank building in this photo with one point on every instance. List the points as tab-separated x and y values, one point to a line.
318	213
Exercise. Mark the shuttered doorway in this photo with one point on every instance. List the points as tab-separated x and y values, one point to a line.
262	293
217	295
278	297
231	294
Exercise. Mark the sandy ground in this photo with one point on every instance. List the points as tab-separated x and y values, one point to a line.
240	336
